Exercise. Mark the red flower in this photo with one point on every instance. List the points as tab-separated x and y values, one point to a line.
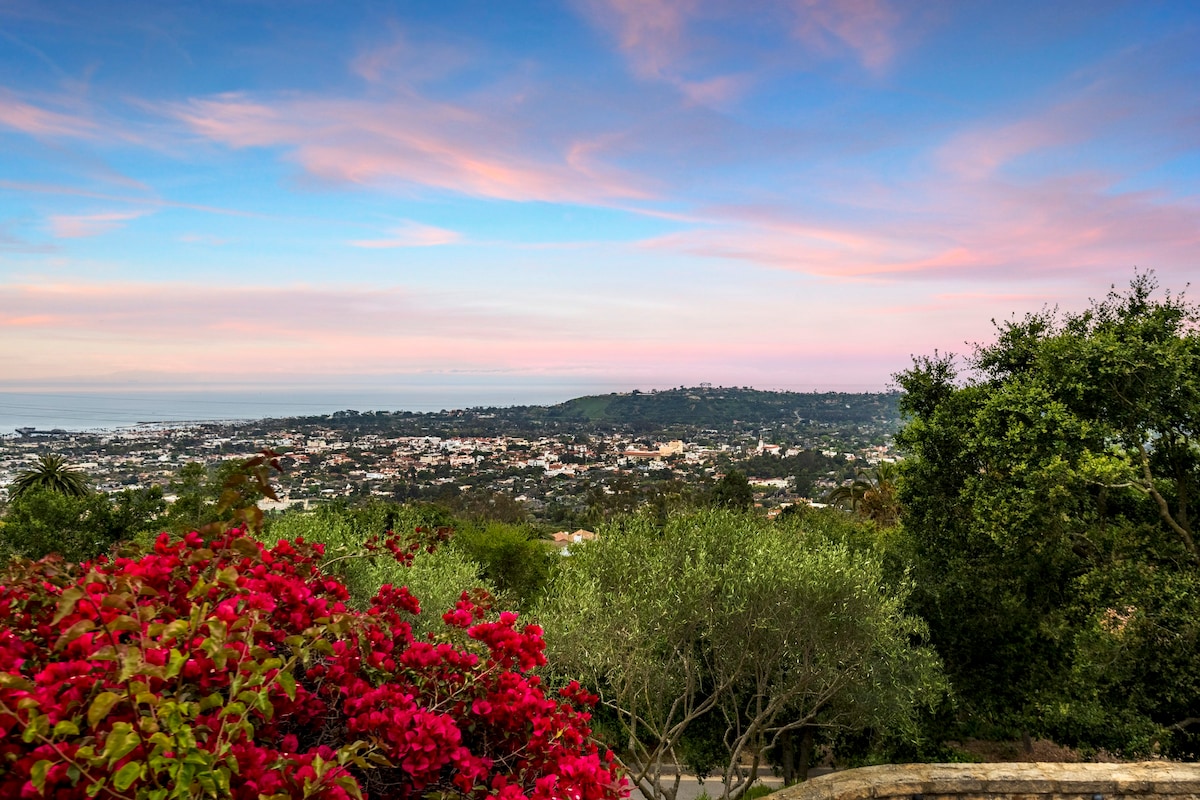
245	659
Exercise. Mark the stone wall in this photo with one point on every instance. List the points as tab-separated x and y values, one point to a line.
1156	780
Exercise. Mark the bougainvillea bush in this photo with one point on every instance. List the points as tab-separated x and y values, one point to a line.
221	668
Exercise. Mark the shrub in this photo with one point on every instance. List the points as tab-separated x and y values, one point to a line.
224	668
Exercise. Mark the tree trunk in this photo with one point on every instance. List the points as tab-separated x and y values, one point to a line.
787	758
806	750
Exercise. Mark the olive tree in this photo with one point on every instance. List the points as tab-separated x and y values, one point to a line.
724	617
437	578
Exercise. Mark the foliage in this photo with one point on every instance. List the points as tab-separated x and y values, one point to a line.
50	474
724	616
804	468
77	527
733	491
225	496
482	504
621	495
511	558
872	494
1049	505
223	668
437	576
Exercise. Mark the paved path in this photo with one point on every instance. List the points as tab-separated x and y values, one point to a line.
692	789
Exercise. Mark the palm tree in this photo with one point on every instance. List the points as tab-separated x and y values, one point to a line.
872	494
51	474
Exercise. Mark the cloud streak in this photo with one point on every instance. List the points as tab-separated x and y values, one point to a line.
679	42
79	226
411	234
867	28
24	117
407	141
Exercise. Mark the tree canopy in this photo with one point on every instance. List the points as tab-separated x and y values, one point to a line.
1049	520
51	473
722	623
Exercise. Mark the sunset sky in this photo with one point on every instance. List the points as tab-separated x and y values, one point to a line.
609	194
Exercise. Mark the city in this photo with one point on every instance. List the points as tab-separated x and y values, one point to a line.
466	457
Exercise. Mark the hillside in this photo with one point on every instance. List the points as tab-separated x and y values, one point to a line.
724	408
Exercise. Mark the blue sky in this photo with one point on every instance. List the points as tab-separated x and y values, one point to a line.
612	193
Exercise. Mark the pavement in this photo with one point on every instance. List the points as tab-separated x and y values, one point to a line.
691	788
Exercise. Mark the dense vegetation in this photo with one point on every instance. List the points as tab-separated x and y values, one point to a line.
1048	524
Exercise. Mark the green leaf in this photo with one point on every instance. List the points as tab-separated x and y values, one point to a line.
74	632
174	664
173	630
218	631
228	577
131	664
10	681
100	707
37	775
66	603
38	727
66	728
126	775
233	708
116	600
222	773
123	623
120	742
350	786
287	682
211	701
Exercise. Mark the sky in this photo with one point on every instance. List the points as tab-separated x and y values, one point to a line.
540	198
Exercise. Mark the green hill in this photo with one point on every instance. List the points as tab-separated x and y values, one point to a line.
723	408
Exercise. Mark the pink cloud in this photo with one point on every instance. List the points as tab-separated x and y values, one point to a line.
38	121
672	41
985	149
976	231
141	200
1017	196
651	33
408	140
409	60
655	39
1133	100
865	27
33	321
234	120
76	226
411	234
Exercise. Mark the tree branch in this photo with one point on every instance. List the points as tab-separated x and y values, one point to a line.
1164	510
